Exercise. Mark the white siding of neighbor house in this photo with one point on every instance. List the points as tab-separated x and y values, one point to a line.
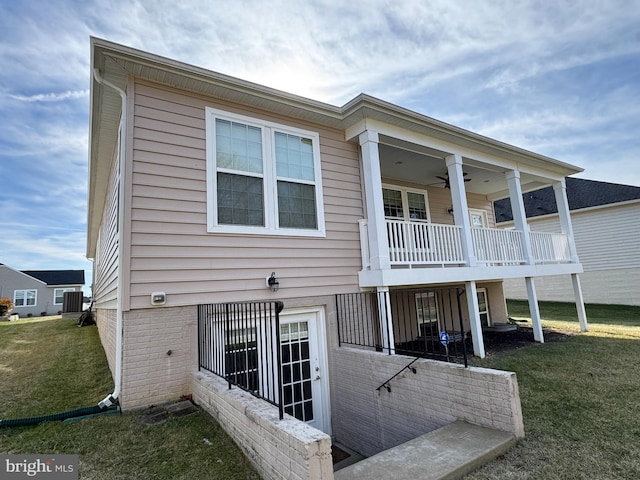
607	244
172	251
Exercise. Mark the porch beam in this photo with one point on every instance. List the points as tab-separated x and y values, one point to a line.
560	191
519	214
534	310
372	177
460	207
577	292
474	319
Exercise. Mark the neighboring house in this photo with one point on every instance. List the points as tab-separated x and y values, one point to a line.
38	292
606	224
211	198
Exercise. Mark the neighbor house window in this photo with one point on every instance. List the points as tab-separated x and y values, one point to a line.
58	295
25	298
262	177
405	204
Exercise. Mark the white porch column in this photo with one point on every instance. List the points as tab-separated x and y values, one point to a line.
534	310
376	227
474	319
560	190
460	207
519	214
386	320
577	292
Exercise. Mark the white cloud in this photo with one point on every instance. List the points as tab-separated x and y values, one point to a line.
51	97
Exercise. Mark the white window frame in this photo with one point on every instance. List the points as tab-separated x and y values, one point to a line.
480	213
64	290
479	291
405	202
24	291
269	175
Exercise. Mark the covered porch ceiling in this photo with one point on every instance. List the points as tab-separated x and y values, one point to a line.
411	163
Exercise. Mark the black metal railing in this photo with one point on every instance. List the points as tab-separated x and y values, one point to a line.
240	342
424	322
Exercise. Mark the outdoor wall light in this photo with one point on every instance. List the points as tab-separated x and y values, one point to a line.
450	210
272	282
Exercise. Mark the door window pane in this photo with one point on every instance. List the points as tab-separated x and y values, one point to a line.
296	368
417	206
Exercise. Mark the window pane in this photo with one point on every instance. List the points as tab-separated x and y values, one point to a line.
238	146
294	157
296	205
426	307
392	203
240	200
417	206
31	297
19	298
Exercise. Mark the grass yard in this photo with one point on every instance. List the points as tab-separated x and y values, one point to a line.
49	365
580	397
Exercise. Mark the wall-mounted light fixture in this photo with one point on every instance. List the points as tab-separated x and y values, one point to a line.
450	210
272	282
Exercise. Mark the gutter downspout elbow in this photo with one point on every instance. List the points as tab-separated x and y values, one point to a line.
112	398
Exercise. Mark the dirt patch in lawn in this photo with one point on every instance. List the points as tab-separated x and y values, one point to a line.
498	342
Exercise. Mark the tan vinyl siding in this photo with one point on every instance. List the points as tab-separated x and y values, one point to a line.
171	249
105	282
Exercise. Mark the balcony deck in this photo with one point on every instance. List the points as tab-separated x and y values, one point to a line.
422	245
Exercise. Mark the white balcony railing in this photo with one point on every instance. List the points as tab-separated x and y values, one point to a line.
417	243
497	246
550	247
423	243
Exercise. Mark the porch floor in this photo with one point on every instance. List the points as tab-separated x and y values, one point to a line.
447	453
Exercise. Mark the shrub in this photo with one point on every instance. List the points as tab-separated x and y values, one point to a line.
6	305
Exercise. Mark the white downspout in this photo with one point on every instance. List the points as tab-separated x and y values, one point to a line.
113	397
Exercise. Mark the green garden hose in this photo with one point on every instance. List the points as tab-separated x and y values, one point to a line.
78	412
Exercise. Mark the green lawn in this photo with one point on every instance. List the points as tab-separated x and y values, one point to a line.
580	397
50	365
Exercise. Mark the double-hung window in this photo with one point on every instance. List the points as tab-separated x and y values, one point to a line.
405	204
262	177
25	298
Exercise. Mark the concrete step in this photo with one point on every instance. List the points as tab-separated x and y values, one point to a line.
447	453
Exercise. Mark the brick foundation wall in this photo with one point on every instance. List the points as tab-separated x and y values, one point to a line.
106	322
369	421
150	374
278	449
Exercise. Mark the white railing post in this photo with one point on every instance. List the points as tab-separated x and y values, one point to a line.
560	190
519	215
460	208
378	246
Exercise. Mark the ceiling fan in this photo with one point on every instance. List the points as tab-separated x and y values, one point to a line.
445	180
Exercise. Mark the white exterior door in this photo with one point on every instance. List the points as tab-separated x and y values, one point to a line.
304	367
